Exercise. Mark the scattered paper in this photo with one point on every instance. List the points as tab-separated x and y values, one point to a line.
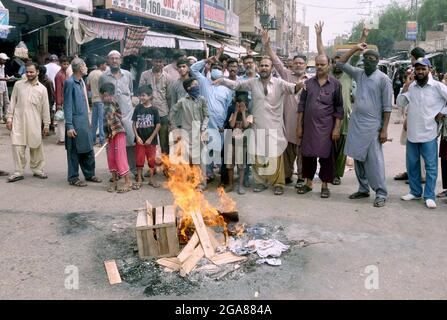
270	261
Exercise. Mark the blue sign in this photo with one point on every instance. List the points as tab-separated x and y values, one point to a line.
412	31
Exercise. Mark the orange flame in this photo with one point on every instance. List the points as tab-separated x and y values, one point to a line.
183	182
226	204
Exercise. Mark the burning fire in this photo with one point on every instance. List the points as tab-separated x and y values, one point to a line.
183	182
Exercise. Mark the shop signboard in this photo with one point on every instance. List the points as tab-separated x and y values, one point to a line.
213	16
412	31
179	12
81	5
232	24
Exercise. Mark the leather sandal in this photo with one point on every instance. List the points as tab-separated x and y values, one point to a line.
358	195
325	193
78	183
94	179
42	176
15	178
304	189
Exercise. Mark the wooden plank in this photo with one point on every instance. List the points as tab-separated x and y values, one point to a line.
159	216
112	272
189	248
152	243
170	263
140	243
169	215
192	261
149	214
173	243
202	232
141	220
162	239
226	257
213	239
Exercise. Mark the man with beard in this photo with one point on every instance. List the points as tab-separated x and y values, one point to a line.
319	117
159	80
78	140
268	95
218	98
425	100
346	84
292	154
28	110
368	126
122	79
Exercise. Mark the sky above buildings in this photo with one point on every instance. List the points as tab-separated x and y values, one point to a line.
338	15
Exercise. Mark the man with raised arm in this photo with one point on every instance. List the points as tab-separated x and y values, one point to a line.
368	126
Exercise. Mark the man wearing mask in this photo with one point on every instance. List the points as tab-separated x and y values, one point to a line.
425	100
122	79
218	97
347	85
268	95
78	142
28	111
292	154
159	80
368	126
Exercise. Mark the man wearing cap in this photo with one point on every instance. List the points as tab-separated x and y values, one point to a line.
368	126
122	79
53	68
4	98
425	100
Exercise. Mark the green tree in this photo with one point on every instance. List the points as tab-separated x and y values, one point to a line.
430	14
392	27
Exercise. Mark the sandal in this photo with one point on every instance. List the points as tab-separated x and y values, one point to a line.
278	191
94	179
358	195
304	189
379	202
154	184
442	194
113	187
325	193
42	176
136	186
259	188
125	189
15	178
3	173
78	183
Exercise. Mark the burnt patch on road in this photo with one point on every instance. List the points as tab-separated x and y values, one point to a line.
74	223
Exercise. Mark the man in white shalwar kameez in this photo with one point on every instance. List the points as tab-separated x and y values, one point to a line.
28	110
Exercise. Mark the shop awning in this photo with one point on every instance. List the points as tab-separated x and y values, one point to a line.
102	28
234	51
166	40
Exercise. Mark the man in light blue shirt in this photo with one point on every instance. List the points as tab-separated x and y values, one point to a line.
218	98
425	100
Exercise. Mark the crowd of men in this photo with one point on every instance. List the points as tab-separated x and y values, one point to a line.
264	118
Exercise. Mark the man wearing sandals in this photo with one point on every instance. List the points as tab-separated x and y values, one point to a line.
320	112
28	110
78	141
268	95
368	127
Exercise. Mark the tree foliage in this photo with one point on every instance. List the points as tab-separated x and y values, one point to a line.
392	23
430	14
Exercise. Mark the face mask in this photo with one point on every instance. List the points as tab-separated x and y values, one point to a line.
194	92
216	74
370	66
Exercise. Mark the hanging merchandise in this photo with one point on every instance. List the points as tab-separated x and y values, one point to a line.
134	40
4	22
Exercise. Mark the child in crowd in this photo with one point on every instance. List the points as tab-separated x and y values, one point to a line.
146	125
188	112
240	120
116	138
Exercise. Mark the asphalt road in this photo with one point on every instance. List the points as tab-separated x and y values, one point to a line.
47	226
